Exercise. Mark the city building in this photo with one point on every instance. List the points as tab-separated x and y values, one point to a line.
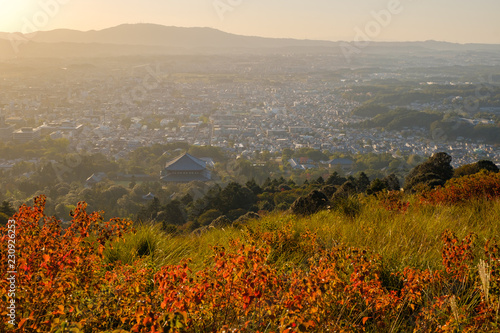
344	163
26	134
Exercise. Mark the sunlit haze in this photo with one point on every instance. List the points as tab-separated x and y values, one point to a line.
445	20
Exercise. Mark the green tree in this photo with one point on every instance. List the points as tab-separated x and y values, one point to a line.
362	182
235	196
207	217
433	172
335	179
316	155
254	187
150	213
187	199
470	169
319	181
174	214
392	182
376	186
287	154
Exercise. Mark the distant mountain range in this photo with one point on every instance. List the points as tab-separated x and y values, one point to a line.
134	39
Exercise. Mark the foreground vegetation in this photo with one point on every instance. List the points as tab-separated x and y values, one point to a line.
425	262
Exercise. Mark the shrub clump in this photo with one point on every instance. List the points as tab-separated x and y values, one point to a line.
310	204
470	169
220	222
482	185
245	218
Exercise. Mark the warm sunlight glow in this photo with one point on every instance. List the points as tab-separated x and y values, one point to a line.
471	22
12	14
11	6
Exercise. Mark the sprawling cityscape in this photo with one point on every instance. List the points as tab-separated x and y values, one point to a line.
254	104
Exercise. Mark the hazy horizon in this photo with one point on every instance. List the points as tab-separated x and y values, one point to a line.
379	20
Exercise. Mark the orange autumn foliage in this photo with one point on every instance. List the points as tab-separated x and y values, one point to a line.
65	285
483	185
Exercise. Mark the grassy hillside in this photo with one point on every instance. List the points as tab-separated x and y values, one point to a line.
426	262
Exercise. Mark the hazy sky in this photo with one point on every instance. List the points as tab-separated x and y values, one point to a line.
447	20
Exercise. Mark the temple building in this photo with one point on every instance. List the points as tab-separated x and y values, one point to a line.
186	168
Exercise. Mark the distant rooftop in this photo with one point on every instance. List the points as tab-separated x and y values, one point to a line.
186	162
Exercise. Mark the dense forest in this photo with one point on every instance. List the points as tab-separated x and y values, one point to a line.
52	168
400	93
448	126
